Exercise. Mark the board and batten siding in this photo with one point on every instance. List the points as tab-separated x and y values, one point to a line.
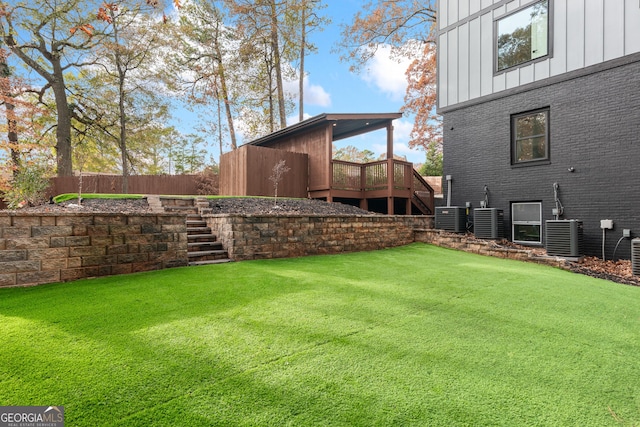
584	33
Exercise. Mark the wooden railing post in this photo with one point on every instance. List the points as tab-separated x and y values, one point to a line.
390	185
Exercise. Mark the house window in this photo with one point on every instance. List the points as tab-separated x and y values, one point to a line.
526	222
530	137
523	36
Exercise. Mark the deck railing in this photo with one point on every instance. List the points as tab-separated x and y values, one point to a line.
371	176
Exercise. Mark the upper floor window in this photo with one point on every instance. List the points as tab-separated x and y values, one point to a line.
523	35
530	136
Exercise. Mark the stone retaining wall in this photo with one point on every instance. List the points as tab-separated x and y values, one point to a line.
484	247
271	236
46	248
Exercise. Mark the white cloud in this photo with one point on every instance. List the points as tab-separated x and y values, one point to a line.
402	130
292	120
316	95
313	94
387	73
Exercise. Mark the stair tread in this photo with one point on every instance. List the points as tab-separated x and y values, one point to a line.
201	236
204	253
212	243
214	261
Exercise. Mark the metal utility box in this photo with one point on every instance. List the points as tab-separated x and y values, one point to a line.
451	218
488	223
564	238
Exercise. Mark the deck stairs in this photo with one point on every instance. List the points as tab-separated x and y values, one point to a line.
203	247
422	199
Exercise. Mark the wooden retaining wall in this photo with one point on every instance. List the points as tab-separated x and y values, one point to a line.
272	236
46	248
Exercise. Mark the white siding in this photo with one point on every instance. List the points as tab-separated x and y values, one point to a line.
585	32
513	78
526	74
631	27
453	66
443	13
443	71
474	58
594	34
575	34
513	5
614	30
463	63
463	8
558	62
486	54
541	70
474	7
452	15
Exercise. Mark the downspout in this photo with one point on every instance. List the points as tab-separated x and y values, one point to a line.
449	179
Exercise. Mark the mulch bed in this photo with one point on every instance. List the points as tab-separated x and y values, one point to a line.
615	271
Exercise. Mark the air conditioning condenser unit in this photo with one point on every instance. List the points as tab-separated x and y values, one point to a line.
564	238
635	257
488	223
451	218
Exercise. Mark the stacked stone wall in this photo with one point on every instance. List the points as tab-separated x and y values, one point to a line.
47	248
271	236
462	242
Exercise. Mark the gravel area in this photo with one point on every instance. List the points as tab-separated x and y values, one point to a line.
91	205
255	206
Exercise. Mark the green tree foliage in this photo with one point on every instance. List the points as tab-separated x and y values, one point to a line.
189	155
51	37
433	163
207	48
352	154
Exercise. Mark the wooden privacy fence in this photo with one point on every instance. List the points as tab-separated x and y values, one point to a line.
138	184
247	171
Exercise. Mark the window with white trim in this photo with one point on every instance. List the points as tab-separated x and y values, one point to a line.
522	36
526	222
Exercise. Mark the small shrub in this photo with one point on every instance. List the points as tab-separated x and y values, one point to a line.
28	187
207	182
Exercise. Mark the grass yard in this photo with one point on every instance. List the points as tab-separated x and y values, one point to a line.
417	335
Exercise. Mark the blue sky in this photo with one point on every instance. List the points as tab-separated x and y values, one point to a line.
332	88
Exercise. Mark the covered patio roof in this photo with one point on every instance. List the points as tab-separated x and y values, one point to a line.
344	126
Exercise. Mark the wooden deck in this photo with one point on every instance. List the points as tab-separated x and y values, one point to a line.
402	191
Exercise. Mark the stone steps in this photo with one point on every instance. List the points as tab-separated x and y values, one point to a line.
202	247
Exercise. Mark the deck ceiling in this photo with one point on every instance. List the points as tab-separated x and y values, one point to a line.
344	126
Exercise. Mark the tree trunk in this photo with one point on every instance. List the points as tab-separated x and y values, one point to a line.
63	130
56	81
12	134
275	46
225	96
302	45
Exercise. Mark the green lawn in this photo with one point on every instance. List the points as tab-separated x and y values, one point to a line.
416	335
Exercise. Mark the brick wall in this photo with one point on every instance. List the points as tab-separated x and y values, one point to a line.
46	248
594	128
271	236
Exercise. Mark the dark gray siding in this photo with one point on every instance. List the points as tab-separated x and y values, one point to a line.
594	128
